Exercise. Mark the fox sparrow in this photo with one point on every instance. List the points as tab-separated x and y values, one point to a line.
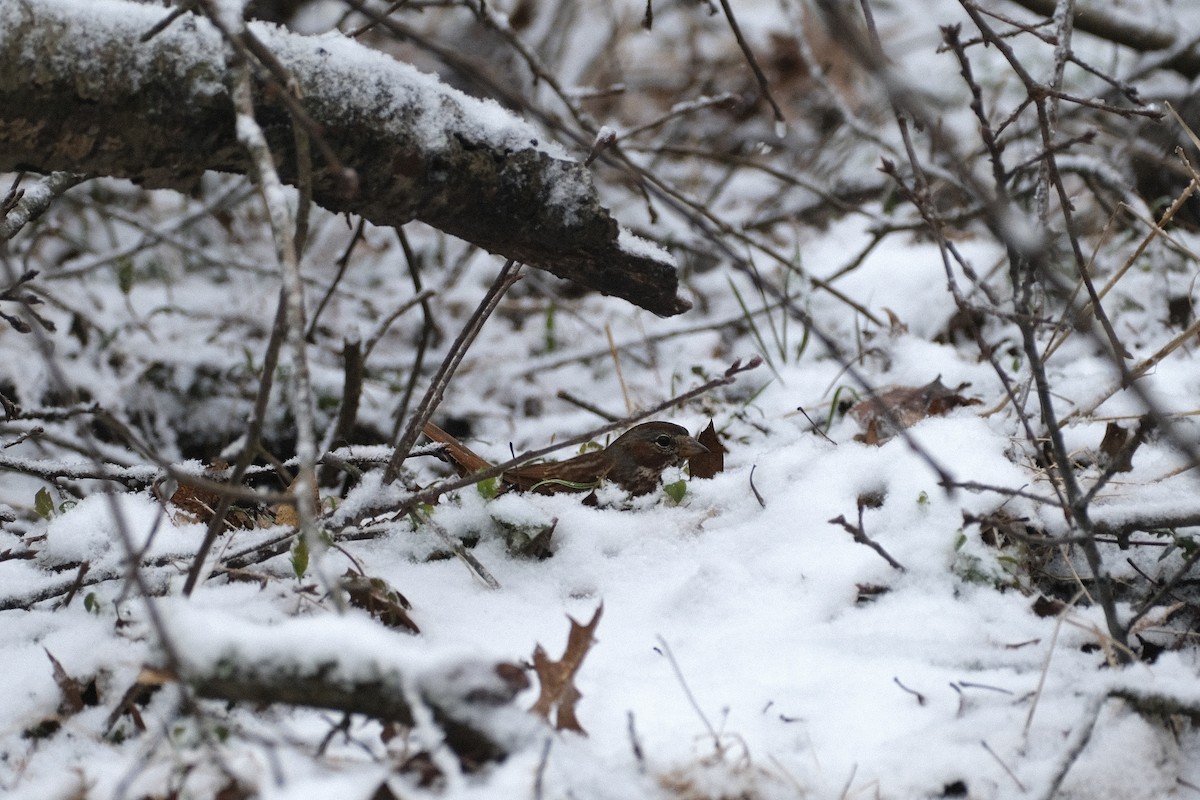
634	462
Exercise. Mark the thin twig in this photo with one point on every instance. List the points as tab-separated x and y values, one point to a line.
861	537
540	774
563	394
716	738
342	263
1041	684
456	547
1004	766
183	8
763	86
353	372
441	379
1080	736
427	332
612	348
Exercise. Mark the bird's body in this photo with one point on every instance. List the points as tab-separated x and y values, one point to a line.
635	461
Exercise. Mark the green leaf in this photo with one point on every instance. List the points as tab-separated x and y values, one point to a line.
804	340
750	323
837	400
300	557
43	505
125	275
551	339
923	499
890	202
488	488
91	603
676	490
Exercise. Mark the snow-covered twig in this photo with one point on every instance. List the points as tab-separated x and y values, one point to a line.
35	200
357	668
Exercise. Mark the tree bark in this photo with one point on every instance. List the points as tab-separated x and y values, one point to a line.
80	93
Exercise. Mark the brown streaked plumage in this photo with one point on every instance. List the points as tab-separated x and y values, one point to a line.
634	461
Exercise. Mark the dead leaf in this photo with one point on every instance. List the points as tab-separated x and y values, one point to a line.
895	326
147	683
1114	440
1150	651
706	465
557	678
384	792
869	591
197	504
900	407
1000	528
963	326
1181	312
382	602
190	504
154	676
71	688
871	499
1118	447
76	696
871	436
537	547
1048	607
423	769
289	515
234	790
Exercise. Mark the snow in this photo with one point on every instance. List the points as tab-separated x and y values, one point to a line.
206	638
91	531
414	100
749	646
631	243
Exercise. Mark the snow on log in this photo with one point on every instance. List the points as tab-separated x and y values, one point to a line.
79	92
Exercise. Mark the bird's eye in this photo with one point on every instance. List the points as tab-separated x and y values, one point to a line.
662	440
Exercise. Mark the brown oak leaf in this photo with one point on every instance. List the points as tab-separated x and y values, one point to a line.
557	678
71	688
899	407
706	465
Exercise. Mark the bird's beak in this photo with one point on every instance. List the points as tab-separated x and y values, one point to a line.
690	447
